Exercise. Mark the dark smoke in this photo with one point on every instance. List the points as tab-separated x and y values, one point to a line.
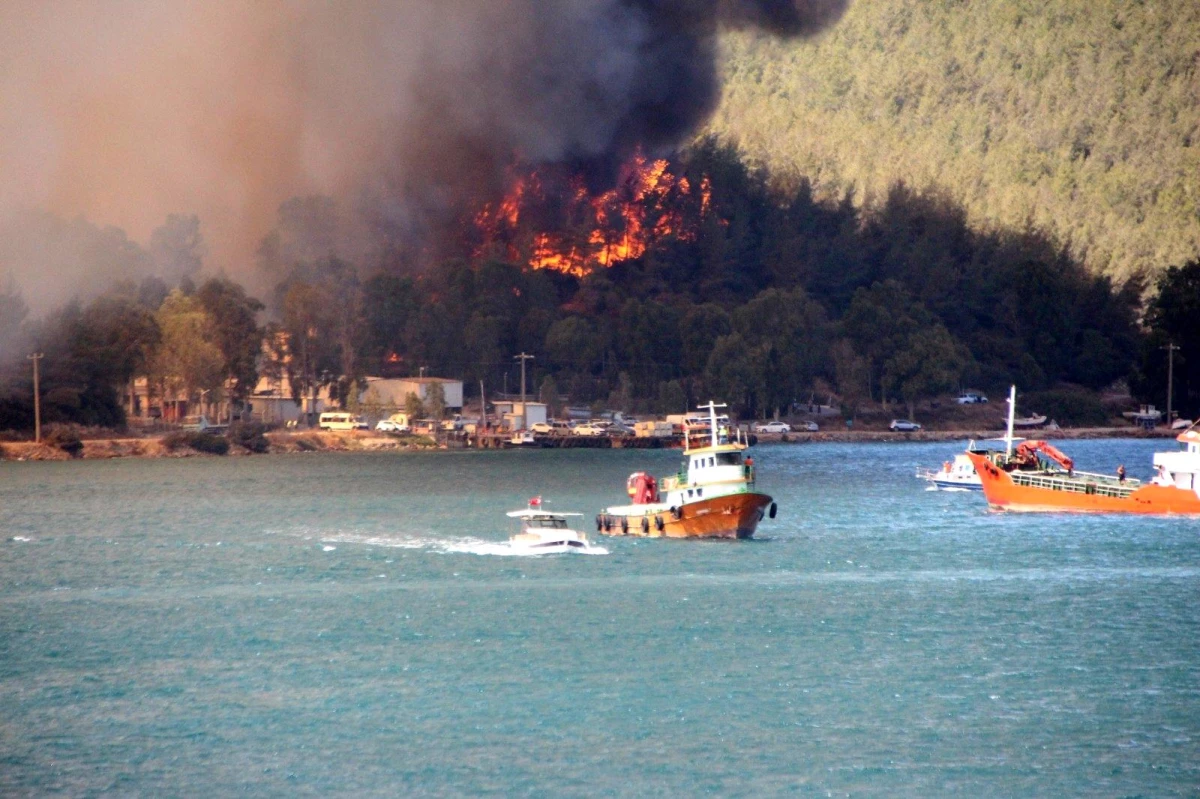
124	112
583	84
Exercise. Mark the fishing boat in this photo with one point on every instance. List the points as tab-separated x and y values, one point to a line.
544	532
712	495
956	475
1037	476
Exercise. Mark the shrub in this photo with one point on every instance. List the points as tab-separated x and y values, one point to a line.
201	442
66	438
250	435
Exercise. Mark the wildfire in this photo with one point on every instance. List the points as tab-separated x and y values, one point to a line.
574	232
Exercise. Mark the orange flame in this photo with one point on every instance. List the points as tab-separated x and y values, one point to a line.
600	231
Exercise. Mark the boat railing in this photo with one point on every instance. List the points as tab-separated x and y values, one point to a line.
926	473
1080	483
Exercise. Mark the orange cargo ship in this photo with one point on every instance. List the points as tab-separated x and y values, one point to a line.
1039	477
712	496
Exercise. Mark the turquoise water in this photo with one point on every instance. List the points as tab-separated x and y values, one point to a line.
343	625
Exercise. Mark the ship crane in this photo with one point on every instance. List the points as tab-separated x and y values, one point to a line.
1027	454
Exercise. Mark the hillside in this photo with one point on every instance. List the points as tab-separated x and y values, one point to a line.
1080	117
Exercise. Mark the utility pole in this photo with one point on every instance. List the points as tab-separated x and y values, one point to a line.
522	358
37	399
1171	349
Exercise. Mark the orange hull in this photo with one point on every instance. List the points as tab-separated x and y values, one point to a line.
730	516
1003	494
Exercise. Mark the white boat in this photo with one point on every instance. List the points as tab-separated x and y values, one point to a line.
548	533
1034	420
1145	416
956	475
522	438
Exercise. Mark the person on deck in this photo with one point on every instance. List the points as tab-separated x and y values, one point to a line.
1121	473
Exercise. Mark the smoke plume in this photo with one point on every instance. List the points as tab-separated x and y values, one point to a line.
126	111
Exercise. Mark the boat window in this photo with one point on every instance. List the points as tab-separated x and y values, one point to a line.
710	461
729	459
699	492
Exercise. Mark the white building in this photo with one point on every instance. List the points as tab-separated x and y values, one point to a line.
390	393
521	417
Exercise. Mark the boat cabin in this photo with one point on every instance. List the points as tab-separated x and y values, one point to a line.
1180	469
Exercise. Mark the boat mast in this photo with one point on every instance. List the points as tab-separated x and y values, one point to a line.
1012	410
711	407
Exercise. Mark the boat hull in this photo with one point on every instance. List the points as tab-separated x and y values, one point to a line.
728	516
1004	494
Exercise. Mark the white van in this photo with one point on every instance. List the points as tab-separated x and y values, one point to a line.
339	420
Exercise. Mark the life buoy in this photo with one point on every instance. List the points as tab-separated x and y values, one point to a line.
774	510
624	524
658	523
645	524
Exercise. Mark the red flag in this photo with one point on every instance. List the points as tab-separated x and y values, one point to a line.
535	502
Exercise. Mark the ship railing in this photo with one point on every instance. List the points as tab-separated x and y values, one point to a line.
1081	483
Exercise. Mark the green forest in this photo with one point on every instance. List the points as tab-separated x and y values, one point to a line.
760	299
1080	118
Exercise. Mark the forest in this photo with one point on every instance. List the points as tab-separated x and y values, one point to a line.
751	294
1080	118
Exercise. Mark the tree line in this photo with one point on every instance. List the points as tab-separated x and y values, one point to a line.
772	295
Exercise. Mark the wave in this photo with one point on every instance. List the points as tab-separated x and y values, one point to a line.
440	545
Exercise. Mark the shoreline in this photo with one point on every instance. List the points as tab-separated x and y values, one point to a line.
289	442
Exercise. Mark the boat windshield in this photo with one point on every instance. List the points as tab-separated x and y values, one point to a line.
546	523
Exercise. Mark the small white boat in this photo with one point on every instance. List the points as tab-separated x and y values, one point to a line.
956	475
522	438
547	533
1034	420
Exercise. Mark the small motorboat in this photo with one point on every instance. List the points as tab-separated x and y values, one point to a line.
956	475
545	532
522	438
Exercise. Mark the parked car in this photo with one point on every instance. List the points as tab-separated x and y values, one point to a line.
587	429
810	427
542	428
772	427
903	425
970	398
391	426
617	429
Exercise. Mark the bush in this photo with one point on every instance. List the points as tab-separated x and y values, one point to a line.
250	435
1066	406
201	442
66	438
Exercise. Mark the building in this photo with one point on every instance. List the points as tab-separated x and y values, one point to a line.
520	417
272	402
389	393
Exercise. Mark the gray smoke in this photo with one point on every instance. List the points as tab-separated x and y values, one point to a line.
126	111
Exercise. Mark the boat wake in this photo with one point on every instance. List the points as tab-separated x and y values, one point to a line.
443	546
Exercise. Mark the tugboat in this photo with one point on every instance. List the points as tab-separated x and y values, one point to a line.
1037	476
712	496
546	533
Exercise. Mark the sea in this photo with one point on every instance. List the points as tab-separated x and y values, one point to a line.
353	625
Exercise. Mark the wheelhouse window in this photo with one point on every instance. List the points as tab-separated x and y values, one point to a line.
547	524
729	459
